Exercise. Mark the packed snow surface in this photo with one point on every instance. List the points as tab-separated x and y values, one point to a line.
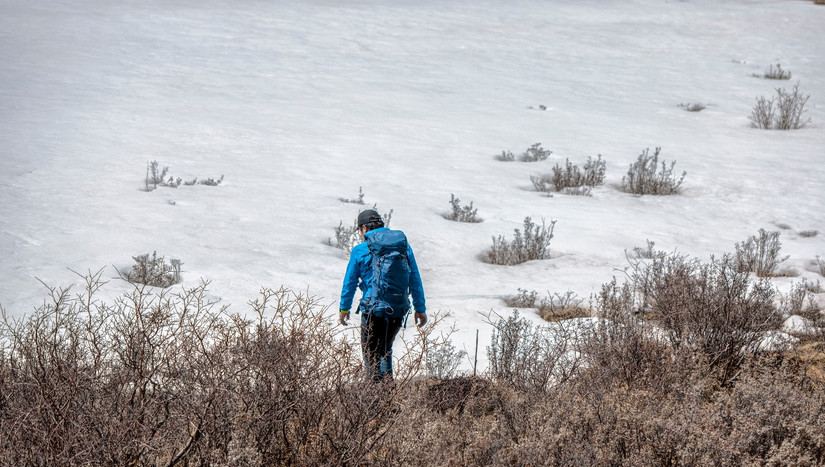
299	103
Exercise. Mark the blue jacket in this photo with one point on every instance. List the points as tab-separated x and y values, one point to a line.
359	273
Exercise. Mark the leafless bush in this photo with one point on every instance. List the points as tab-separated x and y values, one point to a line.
808	233
793	303
561	306
532	244
95	383
763	113
697	107
645	178
644	253
709	308
209	181
553	307
813	287
528	357
578	191
155	176
170	379
782	112
358	200
760	253
821	265
776	73
474	395
621	349
506	156
534	153
462	213
542	183
154	271
522	299
570	176
791	106
346	237
441	358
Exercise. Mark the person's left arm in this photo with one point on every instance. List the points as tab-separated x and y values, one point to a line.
417	290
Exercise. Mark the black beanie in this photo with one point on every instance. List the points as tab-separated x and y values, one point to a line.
369	217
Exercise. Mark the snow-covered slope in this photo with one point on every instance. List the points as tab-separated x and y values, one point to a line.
299	103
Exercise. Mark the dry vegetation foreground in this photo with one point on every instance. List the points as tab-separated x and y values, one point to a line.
669	373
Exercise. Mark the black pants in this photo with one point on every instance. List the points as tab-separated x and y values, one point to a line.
377	336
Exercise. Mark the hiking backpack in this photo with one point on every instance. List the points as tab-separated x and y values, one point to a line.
389	289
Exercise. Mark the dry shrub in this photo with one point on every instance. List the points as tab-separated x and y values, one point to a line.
776	73
346	236
531	357
571	179
476	395
782	112
561	314
533	244
161	378
646	177
169	379
712	308
696	107
562	306
153	271
466	213
760	253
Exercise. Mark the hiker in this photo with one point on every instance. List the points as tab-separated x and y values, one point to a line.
384	300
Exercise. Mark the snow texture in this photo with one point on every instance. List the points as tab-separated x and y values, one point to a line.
798	325
300	103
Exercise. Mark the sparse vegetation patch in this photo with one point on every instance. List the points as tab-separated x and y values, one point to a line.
357	200
570	179
781	112
646	177
156	176
459	213
775	73
532	244
534	153
154	271
562	306
695	107
793	303
347	236
647	252
760	254
159	378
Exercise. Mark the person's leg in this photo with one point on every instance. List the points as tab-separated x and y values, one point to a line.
370	345
377	336
390	328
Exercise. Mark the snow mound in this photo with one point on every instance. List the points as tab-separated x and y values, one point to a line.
777	341
796	324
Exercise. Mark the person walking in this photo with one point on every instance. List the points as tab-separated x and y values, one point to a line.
384	269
